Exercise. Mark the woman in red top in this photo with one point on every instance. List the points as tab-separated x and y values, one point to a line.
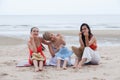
36	57
87	52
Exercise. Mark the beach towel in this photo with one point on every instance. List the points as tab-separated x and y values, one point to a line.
23	63
50	62
53	62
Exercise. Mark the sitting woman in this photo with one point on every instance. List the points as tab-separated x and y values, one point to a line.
58	50
36	57
88	50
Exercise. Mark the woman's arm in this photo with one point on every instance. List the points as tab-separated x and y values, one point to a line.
31	44
61	38
92	40
87	41
51	50
86	34
80	40
63	41
44	41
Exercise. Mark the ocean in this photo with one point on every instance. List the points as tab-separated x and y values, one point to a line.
20	25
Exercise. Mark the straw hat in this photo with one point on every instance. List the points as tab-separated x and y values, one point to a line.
37	56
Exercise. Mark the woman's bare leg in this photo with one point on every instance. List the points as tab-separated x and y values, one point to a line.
77	51
65	64
40	65
51	50
58	63
35	63
76	63
81	63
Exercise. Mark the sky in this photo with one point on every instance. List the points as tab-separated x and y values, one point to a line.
59	7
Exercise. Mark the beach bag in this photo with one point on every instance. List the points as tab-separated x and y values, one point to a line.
37	56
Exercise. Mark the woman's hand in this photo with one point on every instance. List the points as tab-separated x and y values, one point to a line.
86	34
80	33
31	37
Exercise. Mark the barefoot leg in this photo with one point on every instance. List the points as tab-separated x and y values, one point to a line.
35	63
40	65
77	51
76	63
81	63
58	63
65	64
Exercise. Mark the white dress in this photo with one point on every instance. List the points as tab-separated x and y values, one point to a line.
91	55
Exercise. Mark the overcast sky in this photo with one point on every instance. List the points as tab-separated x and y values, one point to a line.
59	7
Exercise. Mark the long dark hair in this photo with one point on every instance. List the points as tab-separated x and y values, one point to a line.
89	32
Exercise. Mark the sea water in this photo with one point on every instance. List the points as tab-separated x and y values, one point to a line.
19	25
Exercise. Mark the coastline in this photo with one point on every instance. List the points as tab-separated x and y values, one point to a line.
102	33
104	37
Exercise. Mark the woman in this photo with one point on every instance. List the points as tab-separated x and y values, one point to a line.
88	50
58	50
36	57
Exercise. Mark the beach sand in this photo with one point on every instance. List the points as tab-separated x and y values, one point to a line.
13	50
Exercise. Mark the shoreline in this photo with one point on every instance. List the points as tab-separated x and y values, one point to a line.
67	32
103	36
108	33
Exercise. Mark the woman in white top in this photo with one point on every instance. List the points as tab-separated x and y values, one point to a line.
87	52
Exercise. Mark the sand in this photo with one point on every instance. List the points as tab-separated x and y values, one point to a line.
13	50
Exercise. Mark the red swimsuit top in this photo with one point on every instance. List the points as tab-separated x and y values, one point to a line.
39	49
93	46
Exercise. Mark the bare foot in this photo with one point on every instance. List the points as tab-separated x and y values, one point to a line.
58	68
40	69
75	66
36	69
64	68
79	67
